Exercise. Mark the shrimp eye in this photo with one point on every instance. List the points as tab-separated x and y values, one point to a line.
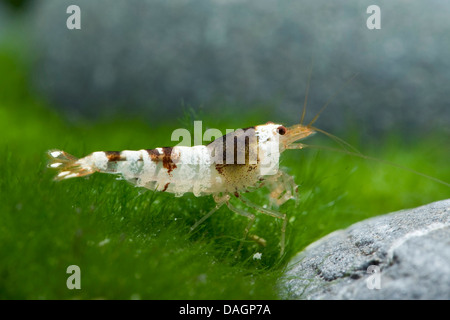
281	130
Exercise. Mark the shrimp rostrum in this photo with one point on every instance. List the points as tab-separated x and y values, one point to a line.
238	162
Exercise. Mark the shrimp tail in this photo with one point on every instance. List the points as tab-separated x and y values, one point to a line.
68	166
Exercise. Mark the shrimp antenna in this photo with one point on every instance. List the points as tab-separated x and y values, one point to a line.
363	156
340	141
332	97
307	91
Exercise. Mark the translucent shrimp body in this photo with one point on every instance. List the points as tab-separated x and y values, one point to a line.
237	162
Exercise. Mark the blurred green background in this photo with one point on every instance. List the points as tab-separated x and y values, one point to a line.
134	244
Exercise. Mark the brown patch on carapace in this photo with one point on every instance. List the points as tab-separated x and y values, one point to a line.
167	159
114	156
219	168
236	194
225	149
154	155
166	186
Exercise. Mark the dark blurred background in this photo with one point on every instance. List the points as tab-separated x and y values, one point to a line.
153	57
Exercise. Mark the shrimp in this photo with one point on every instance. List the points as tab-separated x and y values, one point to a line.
229	166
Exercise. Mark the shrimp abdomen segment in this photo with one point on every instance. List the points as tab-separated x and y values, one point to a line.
177	170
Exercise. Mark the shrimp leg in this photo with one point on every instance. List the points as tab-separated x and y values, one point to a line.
220	200
206	216
282	188
271	213
244	213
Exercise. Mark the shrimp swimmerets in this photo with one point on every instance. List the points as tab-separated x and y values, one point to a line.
235	163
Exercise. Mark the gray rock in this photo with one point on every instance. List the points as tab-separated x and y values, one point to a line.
147	56
411	248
